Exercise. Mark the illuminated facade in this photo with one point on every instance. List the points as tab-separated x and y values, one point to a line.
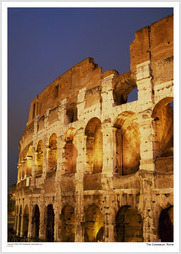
93	166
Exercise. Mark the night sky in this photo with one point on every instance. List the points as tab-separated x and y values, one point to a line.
43	43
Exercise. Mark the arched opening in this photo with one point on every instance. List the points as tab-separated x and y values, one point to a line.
129	225
29	161
124	90
68	224
71	113
127	142
70	152
25	221
35	222
39	158
94	145
49	223
166	225
52	155
163	128
94	225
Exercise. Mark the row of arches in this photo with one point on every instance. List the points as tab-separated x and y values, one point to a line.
128	225
126	140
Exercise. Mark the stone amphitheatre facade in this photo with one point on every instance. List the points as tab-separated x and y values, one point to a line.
93	166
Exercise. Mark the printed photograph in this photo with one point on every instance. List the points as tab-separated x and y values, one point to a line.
90	125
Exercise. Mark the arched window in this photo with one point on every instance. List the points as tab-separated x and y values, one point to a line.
70	152
94	145
52	155
163	128
127	144
124	90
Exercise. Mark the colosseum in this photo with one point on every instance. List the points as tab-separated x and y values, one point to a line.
94	167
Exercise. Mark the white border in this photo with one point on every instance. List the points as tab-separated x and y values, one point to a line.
86	247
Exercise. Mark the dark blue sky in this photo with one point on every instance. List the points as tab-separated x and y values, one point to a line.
43	43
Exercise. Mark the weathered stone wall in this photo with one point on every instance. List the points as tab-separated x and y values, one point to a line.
100	167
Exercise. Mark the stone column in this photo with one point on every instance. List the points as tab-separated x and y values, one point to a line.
30	224
42	227
80	103
79	209
45	157
107	98
18	220
108	156
22	221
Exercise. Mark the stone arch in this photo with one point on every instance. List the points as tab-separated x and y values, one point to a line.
52	153
49	218
39	158
70	152
123	86
166	224
36	222
25	221
94	145
94	225
163	128
128	225
68	224
127	144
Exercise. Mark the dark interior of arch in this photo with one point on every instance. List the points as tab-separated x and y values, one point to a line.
36	222
68	224
129	225
166	225
49	223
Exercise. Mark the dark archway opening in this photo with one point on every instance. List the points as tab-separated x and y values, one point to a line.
166	225
36	222
68	224
50	223
129	225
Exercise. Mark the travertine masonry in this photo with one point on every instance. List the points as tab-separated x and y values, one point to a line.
93	166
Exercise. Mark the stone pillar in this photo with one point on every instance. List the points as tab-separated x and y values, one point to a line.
146	141
22	221
80	103
45	157
18	220
79	209
30	224
107	98
56	220
145	100
62	111
108	156
108	221
42	227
